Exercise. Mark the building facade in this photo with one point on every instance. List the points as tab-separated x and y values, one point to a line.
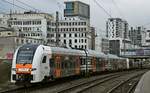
147	38
117	32
11	38
137	36
28	22
73	32
117	28
102	44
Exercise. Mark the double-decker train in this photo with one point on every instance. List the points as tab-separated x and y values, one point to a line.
35	63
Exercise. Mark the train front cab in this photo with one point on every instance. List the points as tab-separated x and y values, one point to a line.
30	64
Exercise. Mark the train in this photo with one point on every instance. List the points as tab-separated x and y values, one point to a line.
34	63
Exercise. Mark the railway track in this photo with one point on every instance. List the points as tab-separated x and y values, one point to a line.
86	85
67	86
82	87
126	86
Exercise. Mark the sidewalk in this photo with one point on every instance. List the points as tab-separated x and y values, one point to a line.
144	84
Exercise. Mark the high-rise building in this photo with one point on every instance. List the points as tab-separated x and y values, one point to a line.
147	38
77	9
117	28
137	35
118	34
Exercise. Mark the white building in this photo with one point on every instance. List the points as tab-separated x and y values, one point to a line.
139	36
73	32
147	38
118	33
102	44
11	38
117	28
28	22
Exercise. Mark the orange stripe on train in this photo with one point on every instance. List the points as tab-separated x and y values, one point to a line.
23	68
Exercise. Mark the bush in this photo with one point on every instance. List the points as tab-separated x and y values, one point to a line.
5	71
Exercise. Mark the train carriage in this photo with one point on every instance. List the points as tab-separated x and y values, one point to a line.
34	63
66	62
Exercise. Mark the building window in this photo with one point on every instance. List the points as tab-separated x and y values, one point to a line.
70	24
75	34
85	34
70	41
69	35
22	41
76	46
79	29
73	23
85	47
69	5
85	41
82	34
82	40
76	29
75	40
9	33
64	35
17	41
64	41
82	47
79	23
27	41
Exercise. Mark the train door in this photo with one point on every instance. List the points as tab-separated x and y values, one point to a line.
44	67
52	67
57	66
93	64
77	65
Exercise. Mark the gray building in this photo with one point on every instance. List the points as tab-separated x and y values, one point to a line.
11	38
117	28
117	31
137	35
74	30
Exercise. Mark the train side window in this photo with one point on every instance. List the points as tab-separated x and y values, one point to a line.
51	62
44	59
82	61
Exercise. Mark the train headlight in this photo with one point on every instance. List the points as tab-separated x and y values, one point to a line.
23	69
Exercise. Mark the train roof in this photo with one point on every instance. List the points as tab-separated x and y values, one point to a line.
96	54
112	56
59	50
115	57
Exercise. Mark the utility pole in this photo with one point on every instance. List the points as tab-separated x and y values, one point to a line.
57	32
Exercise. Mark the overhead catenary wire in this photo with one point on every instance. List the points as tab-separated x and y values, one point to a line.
15	5
2	8
19	6
119	11
102	8
29	6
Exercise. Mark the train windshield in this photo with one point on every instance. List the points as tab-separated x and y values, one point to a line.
25	56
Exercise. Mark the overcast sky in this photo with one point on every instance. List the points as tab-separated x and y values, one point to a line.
136	12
